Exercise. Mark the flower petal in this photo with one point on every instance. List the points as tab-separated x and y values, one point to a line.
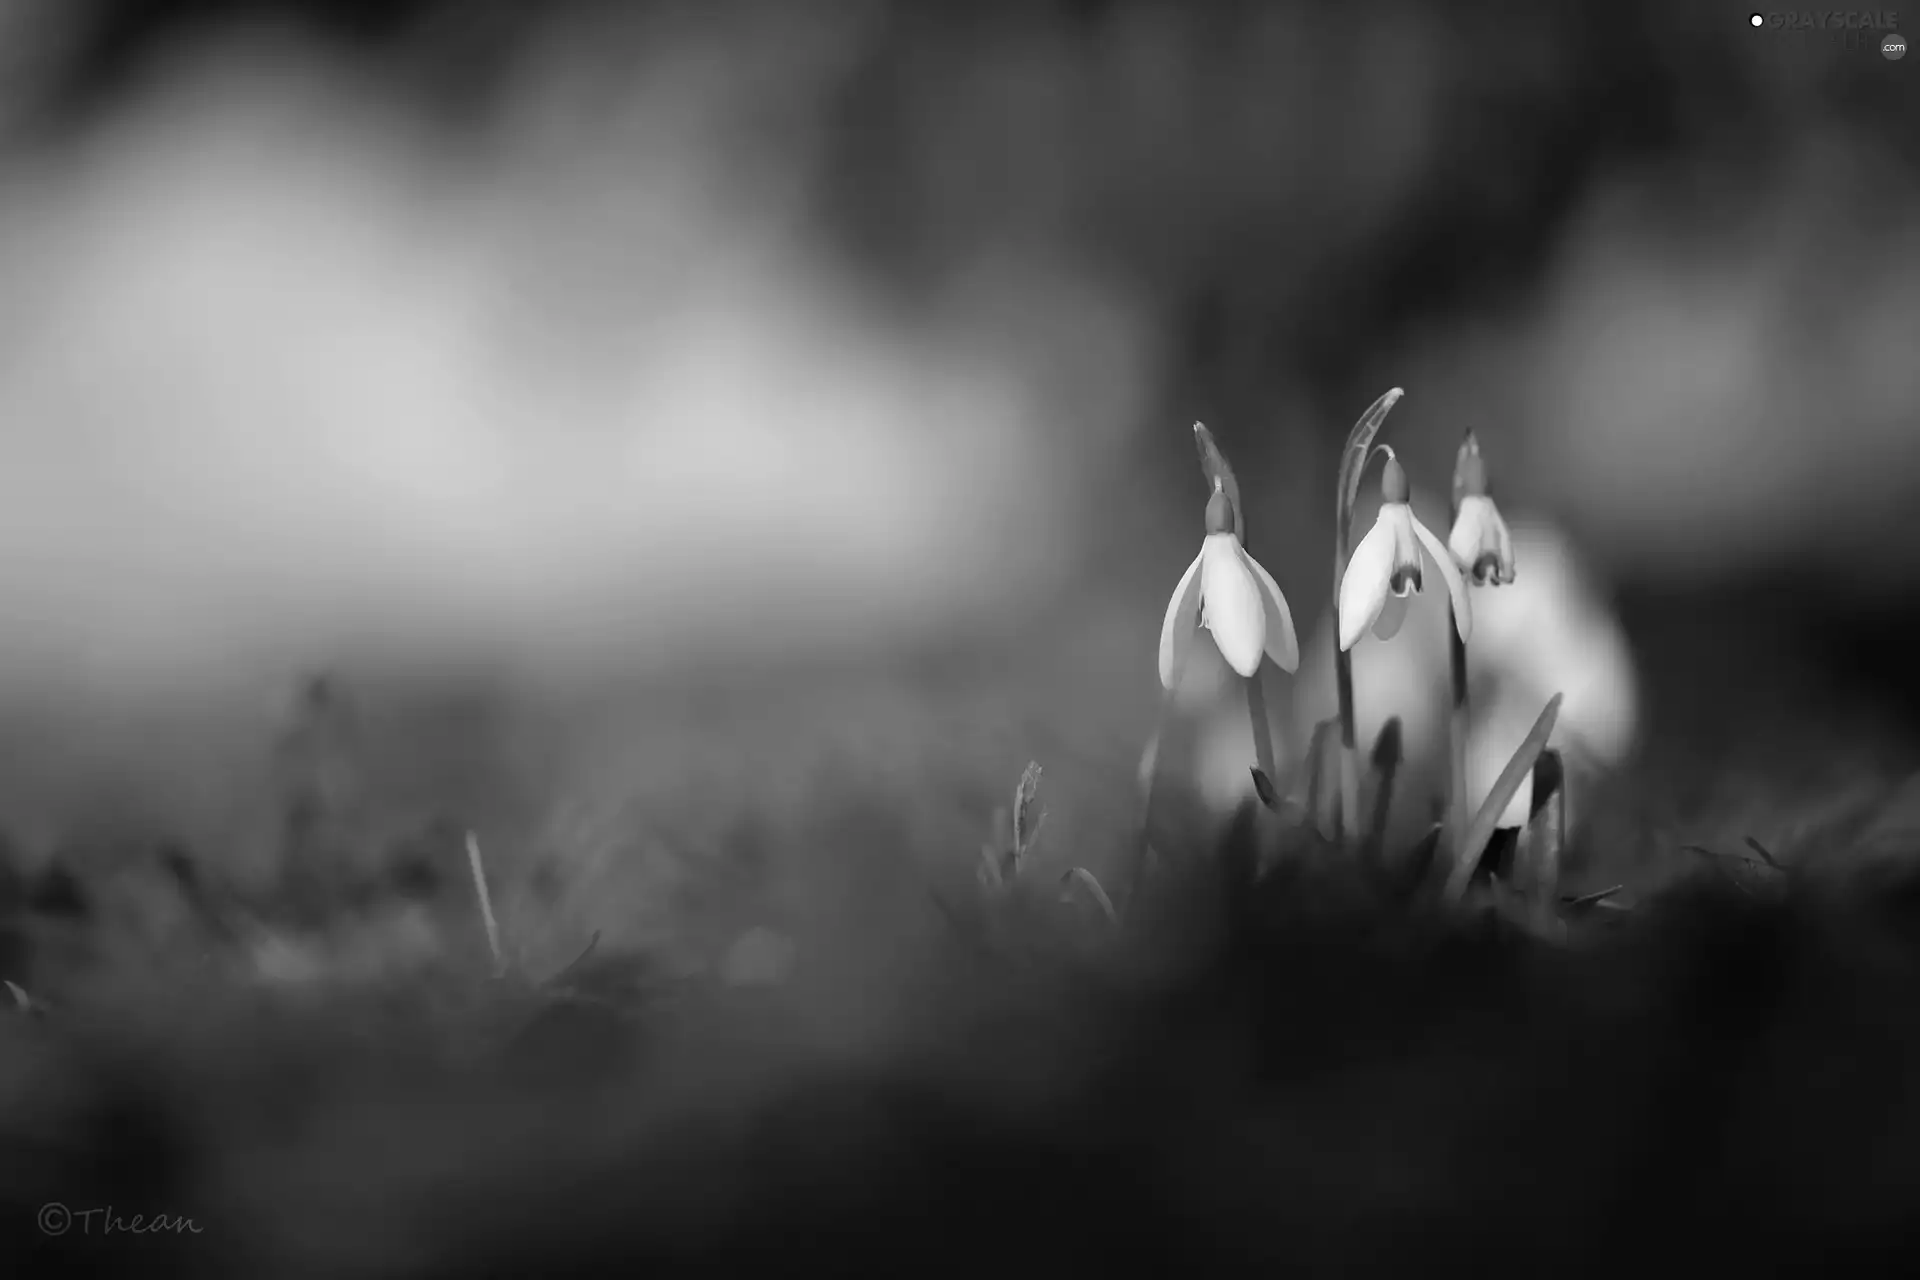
1363	588
1183	619
1504	538
1480	537
1456	586
1283	643
1230	604
1468	537
1393	612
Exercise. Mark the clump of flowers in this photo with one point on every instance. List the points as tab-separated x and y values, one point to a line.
1227	594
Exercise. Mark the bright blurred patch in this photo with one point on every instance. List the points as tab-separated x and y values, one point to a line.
1719	381
284	376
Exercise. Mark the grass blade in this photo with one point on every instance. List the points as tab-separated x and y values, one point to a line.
486	903
1467	857
1086	879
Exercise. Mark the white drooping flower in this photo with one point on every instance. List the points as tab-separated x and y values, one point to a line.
1226	591
1551	631
1481	544
1384	571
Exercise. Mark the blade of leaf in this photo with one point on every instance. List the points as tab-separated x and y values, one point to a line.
1214	466
1086	879
1467	857
1353	460
1545	838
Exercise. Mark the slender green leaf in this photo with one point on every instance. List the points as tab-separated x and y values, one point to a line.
1467	857
1544	840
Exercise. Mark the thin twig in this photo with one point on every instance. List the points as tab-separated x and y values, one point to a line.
486	903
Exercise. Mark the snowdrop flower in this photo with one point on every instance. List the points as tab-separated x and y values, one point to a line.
1554	630
1480	543
1226	591
1385	569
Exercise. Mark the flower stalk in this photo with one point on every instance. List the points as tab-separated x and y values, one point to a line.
1482	549
1459	718
1353	463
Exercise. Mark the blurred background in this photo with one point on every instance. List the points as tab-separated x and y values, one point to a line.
564	347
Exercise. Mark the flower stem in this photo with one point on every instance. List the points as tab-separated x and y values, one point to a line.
1149	784
1348	817
1262	728
1458	719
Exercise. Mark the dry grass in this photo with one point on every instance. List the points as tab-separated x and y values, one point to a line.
1240	1080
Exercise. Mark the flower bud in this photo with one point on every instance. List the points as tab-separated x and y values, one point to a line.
1219	512
1469	471
1393	481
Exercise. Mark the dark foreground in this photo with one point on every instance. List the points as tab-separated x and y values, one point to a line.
1728	1077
